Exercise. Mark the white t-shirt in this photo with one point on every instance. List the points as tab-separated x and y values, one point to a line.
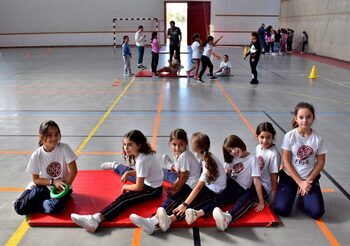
225	66
148	167
196	54
244	169
220	183
269	162
188	162
51	165
304	151
207	50
139	39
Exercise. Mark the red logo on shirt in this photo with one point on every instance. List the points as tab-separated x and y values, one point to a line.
304	152
238	168
54	169
261	163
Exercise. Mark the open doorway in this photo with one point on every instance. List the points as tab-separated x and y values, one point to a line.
190	17
176	12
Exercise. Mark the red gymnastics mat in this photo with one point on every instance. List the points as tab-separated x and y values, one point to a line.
95	189
148	73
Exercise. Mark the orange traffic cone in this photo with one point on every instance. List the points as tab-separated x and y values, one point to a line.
245	50
313	73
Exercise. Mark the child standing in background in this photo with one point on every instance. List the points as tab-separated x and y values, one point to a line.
140	40
304	157
155	54
243	168
52	164
205	58
147	177
126	56
196	55
269	158
254	52
225	68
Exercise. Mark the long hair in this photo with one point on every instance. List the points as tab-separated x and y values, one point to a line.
232	142
44	128
153	36
265	127
195	36
178	134
300	106
138	138
201	144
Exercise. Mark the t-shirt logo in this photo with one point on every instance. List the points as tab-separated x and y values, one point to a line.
54	169
238	168
304	152
261	163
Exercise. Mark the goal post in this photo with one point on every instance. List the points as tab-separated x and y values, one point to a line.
115	20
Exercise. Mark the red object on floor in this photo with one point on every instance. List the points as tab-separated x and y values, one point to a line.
148	73
95	189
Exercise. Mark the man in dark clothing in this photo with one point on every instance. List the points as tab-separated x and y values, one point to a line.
262	32
175	36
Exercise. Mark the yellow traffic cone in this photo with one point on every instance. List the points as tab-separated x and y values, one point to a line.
245	50
313	73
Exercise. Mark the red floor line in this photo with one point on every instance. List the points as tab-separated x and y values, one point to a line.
327	60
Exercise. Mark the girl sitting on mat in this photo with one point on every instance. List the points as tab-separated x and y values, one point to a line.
173	68
304	156
147	177
211	182
52	164
243	169
269	158
185	169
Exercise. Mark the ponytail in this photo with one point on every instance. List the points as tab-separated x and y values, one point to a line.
211	166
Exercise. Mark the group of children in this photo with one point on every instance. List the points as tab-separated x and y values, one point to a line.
201	184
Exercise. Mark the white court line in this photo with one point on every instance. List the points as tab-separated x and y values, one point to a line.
330	80
3	205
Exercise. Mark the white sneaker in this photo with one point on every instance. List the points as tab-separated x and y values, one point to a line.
222	219
168	162
164	219
144	224
191	215
85	221
109	165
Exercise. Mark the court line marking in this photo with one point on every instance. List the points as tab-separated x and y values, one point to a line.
24	226
138	232
136	239
322	225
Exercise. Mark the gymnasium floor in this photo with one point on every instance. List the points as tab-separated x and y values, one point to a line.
83	91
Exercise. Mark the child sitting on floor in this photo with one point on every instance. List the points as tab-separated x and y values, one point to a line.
173	68
225	68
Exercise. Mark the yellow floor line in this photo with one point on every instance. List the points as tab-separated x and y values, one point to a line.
23	227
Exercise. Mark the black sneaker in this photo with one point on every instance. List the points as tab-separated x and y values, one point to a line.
254	82
213	77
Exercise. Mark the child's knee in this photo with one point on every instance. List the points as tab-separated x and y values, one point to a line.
51	206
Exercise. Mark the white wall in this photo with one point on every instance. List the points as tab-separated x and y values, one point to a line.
325	21
89	22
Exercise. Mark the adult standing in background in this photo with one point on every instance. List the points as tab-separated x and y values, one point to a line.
140	40
290	40
262	32
175	37
305	41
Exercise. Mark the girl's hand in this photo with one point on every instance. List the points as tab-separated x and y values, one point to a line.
253	59
304	187
123	190
124	178
59	183
259	206
179	210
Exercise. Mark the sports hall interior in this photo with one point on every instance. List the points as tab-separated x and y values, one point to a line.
62	61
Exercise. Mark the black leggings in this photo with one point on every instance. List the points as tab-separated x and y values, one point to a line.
206	62
154	64
253	63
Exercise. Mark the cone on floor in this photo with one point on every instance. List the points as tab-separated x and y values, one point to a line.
313	73
245	50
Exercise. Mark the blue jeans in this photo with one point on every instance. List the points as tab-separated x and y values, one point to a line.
277	47
38	200
121	169
170	176
141	51
287	191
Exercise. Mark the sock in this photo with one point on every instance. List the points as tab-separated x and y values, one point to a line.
154	221
97	217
